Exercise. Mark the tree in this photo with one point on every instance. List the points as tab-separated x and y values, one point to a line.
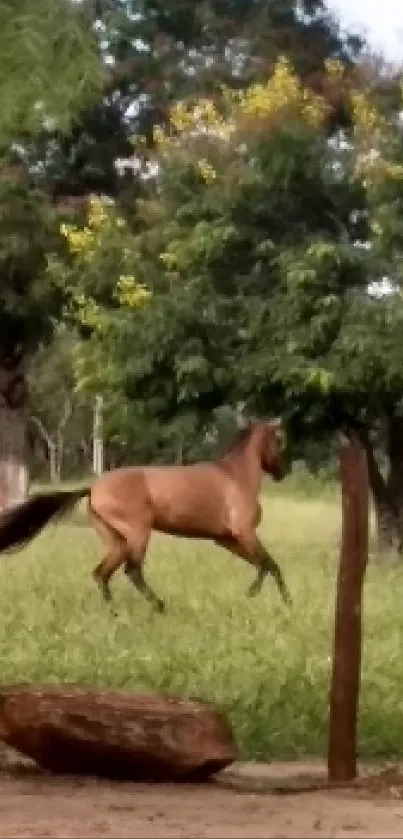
374	330
325	349
59	429
159	52
49	65
27	303
259	243
227	177
100	293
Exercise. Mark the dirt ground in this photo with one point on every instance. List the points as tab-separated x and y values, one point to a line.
249	800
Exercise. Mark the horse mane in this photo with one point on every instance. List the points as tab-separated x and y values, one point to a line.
241	436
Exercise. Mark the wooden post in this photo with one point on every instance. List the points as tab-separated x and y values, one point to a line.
345	685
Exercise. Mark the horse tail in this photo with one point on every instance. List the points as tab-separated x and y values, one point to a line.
20	524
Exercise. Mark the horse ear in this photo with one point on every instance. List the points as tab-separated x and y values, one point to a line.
246	420
277	426
241	416
242	422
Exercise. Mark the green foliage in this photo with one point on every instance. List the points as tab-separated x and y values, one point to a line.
164	51
58	413
28	230
251	273
279	246
49	65
247	245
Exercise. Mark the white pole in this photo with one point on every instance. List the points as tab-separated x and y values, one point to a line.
98	440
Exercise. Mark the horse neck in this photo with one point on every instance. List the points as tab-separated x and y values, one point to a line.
245	464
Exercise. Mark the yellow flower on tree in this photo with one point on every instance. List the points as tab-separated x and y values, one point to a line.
335	69
88	311
80	241
368	121
131	293
97	214
283	92
373	137
206	131
206	170
101	219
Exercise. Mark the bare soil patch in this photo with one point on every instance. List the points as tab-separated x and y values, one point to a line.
248	800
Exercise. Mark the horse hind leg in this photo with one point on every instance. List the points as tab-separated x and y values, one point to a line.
105	570
127	546
137	549
115	556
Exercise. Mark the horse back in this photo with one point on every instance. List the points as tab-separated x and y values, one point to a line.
197	500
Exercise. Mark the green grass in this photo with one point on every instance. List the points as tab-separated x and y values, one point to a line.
268	666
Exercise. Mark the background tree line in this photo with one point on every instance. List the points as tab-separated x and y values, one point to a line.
200	212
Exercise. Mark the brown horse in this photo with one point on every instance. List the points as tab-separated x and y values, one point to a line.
215	500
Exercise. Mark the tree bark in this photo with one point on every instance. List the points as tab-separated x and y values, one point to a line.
54	473
51	449
387	492
385	513
387	525
60	437
14	476
395	476
13	456
386	528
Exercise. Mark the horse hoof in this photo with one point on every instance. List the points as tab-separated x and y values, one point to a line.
253	590
160	607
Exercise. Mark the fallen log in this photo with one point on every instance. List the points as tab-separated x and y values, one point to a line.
116	735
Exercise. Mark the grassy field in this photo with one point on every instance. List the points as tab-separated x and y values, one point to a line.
268	666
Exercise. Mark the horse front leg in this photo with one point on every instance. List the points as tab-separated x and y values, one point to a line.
134	571
251	549
268	565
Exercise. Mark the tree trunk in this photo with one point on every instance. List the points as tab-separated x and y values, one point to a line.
385	512
53	462
59	454
395	477
61	436
13	455
179	453
13	428
51	449
386	527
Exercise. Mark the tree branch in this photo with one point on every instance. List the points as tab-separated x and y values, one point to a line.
42	430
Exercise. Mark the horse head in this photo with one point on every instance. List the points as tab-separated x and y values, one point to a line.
273	449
